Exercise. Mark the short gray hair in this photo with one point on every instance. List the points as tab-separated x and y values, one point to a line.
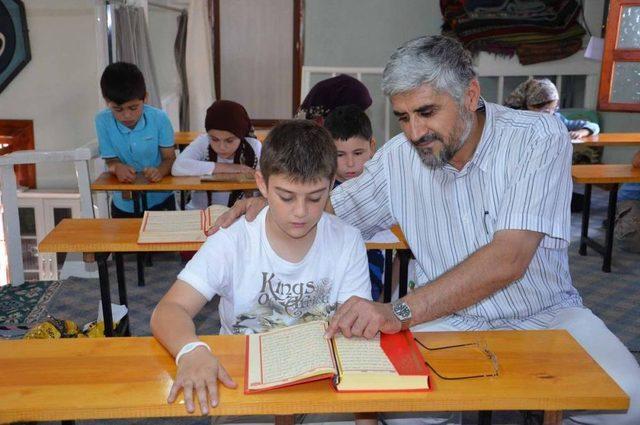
437	60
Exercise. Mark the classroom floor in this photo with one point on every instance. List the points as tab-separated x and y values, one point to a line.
615	297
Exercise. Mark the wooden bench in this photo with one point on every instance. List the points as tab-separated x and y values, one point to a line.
106	378
609	174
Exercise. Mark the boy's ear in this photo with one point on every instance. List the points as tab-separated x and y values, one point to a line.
261	183
146	97
372	146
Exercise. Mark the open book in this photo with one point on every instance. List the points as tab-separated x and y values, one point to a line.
178	226
388	363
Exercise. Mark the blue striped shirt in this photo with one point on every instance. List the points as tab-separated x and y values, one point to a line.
519	177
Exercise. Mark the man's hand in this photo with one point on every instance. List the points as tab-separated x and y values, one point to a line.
152	174
249	207
636	160
124	173
579	134
199	372
360	317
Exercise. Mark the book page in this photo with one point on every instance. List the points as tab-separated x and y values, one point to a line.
212	213
173	221
294	351
171	226
361	355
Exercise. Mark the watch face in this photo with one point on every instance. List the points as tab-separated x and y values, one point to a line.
402	311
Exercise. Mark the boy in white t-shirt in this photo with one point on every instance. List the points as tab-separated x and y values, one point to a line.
294	263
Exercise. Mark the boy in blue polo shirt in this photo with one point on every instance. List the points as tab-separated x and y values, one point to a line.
133	138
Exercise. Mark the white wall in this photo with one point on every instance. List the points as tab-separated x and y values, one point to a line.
58	87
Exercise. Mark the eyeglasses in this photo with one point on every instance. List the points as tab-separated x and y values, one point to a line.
480	346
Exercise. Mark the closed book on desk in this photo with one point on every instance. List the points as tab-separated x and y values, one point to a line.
178	226
300	353
228	177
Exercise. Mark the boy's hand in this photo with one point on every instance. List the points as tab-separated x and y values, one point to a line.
152	174
249	207
199	372
579	134
360	317
124	173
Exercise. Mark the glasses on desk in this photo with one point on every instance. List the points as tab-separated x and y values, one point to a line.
481	346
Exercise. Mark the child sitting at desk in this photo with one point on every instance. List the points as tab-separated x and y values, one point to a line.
225	148
133	138
294	263
351	130
541	95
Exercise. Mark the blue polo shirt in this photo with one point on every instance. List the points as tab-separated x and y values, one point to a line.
138	147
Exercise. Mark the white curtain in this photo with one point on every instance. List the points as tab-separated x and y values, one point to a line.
133	46
199	64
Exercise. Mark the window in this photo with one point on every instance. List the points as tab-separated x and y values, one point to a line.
620	79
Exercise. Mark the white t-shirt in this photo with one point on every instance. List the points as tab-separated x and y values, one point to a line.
191	162
259	291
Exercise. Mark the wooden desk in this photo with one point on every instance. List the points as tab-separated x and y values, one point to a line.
229	182
223	183
613	174
106	236
45	380
611	140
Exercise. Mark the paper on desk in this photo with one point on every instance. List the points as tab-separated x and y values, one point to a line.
117	312
386	236
576	141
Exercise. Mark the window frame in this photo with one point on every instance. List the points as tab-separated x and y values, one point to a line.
613	55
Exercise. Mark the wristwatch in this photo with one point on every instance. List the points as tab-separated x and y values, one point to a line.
402	311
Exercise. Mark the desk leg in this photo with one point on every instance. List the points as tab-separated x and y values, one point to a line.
140	266
122	286
611	218
208	198
484	417
135	197
388	275
285	420
404	255
183	194
67	422
585	220
105	292
552	417
145	205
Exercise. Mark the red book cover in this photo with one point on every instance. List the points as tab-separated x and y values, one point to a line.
403	353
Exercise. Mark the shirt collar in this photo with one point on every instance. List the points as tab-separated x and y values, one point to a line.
142	122
480	157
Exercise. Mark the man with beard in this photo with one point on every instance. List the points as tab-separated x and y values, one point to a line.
481	193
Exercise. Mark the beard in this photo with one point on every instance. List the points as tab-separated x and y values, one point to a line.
451	145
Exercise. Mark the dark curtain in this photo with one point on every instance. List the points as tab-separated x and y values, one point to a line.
179	50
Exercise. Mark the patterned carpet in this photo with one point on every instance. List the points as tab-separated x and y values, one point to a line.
615	297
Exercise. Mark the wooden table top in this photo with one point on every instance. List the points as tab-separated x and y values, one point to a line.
121	235
224	182
131	377
183	138
611	139
605	173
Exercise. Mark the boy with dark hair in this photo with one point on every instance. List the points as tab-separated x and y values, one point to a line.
294	263
133	137
351	130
